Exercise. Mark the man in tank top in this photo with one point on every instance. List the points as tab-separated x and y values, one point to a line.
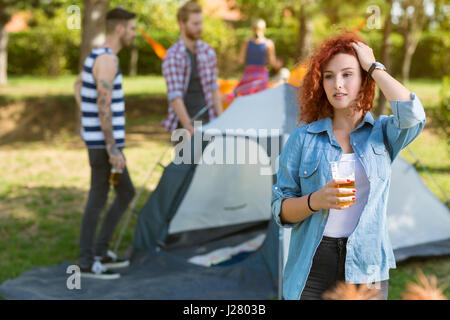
99	92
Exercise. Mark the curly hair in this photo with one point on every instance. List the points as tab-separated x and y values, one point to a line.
313	101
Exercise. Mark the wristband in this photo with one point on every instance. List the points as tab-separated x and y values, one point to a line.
375	65
309	205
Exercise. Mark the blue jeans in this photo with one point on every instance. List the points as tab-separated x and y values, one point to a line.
328	268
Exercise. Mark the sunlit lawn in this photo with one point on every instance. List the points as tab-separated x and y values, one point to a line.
44	184
28	86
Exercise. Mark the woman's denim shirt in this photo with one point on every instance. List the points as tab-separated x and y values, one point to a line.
304	168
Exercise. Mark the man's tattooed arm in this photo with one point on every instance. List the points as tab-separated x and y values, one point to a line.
105	73
104	89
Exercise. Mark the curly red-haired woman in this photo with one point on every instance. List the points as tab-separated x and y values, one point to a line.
338	224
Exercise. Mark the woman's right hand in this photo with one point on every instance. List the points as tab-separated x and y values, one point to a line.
326	198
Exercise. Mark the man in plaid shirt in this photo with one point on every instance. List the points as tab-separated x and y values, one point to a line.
190	71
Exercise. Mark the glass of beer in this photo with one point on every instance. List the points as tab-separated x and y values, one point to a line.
344	169
114	177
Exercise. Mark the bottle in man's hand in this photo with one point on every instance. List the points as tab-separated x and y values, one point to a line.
115	175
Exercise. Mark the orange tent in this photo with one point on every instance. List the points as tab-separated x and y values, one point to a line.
157	47
18	22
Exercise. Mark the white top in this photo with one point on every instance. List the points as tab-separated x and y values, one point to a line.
341	223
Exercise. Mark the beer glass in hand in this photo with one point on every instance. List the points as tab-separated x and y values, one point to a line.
344	169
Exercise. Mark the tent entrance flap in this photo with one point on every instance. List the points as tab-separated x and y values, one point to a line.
199	237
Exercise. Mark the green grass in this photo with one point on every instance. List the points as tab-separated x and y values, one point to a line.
434	162
144	85
43	190
431	148
406	273
28	86
44	184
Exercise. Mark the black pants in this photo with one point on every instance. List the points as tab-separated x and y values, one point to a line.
328	268
98	194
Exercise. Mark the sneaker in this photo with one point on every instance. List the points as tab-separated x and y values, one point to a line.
98	271
111	261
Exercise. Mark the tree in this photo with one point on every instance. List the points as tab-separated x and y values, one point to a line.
151	15
7	9
386	47
4	18
411	26
93	26
306	28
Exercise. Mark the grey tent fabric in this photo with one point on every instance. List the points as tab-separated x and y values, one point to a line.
428	249
275	108
161	275
151	230
415	215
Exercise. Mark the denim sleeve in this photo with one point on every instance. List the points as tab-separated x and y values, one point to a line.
406	123
288	180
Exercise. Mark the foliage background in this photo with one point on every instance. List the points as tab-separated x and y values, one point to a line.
49	48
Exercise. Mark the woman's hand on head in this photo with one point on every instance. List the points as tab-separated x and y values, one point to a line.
365	54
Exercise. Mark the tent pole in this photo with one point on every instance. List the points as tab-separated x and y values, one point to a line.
417	163
281	141
280	262
133	205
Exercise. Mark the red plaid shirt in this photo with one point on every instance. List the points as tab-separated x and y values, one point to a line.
176	69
